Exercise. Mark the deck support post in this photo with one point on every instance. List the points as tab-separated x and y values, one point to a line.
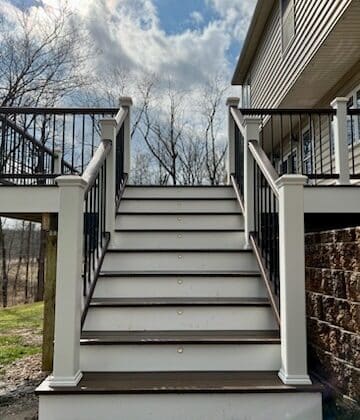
230	160
252	132
340	141
108	132
66	371
292	280
126	102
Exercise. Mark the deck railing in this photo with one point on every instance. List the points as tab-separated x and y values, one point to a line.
88	205
273	207
39	144
298	141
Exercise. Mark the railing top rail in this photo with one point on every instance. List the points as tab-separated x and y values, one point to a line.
95	163
238	118
265	165
57	111
354	111
286	111
120	118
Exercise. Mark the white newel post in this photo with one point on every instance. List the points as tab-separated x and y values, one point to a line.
230	161
252	132
292	280
108	132
66	371
126	102
340	140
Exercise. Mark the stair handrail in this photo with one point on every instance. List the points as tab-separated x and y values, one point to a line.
264	164
273	209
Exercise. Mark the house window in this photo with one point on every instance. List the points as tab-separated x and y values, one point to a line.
353	124
287	8
289	164
307	153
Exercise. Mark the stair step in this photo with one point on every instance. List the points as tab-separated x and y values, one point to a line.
192	260
144	285
180	337
153	240
212	273
178	205
189	301
179	315
178	382
179	221
197	192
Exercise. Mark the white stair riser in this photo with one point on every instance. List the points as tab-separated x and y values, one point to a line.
182	261
179	206
180	318
179	192
206	406
178	240
145	287
179	222
177	357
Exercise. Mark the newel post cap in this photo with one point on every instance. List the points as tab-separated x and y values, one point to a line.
125	101
291	179
233	101
71	181
339	101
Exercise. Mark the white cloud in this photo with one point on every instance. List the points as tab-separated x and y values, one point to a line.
128	34
197	17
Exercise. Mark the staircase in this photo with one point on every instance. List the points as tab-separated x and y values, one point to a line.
180	325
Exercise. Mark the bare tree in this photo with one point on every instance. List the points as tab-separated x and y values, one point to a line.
40	58
211	107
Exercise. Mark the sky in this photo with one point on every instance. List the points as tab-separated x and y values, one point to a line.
188	40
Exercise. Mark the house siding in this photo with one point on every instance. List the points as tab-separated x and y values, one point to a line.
273	72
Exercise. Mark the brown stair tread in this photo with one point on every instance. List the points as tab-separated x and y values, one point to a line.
180	337
180	274
178	382
183	301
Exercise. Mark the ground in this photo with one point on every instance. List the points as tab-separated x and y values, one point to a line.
20	360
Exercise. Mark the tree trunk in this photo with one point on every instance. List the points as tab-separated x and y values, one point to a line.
5	278
28	259
41	264
19	262
49	296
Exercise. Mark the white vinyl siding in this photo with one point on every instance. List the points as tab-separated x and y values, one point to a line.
272	72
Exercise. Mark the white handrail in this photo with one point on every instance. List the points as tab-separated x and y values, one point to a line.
95	163
120	118
239	120
265	165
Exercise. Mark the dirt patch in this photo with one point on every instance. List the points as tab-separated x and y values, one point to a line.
17	384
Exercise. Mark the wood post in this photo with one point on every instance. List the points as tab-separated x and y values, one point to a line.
292	280
340	141
50	227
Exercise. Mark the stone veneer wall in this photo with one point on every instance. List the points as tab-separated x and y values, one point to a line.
333	308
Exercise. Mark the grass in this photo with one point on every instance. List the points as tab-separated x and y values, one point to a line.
20	332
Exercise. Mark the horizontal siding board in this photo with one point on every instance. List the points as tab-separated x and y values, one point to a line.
272	74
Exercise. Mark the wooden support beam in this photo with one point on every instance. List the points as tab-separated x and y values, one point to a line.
50	226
